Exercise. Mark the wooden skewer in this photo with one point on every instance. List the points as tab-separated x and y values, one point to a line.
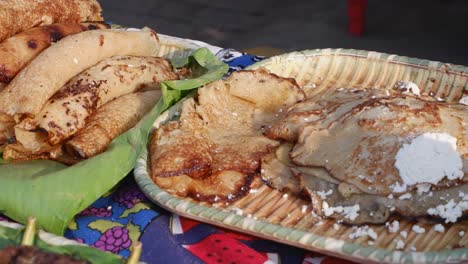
29	232
136	253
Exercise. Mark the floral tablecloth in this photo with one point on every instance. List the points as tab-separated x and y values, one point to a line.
124	215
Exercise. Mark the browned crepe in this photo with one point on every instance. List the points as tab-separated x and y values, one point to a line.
213	152
16	16
17	51
109	121
55	66
66	112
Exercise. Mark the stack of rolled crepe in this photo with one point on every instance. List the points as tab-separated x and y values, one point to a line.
67	101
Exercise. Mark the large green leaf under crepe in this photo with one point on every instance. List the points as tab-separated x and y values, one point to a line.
55	193
12	237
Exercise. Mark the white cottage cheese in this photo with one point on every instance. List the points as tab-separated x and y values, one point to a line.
408	88
418	230
429	158
439	228
450	211
464	100
350	212
363	231
393	227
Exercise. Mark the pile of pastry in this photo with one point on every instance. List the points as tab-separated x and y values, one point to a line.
69	84
360	155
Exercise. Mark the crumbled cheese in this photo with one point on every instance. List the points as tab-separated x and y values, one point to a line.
216	199
400	244
387	92
336	226
230	196
463	196
429	158
393	227
412	248
464	100
404	234
405	196
418	230
363	231
361	176
370	243
450	211
397	188
324	195
285	195
304	208
461	233
350	212
408	87
423	188
390	196
439	228
392	208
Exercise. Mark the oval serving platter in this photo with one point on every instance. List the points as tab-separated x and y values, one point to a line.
269	214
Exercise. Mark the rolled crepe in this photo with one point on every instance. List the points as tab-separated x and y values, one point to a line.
111	120
55	66
17	51
17	152
16	16
65	113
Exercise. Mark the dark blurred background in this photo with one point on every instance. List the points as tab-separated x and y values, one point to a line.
432	29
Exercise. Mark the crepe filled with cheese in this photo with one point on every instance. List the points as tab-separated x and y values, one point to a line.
372	154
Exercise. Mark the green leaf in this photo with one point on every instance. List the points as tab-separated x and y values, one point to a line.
205	68
55	193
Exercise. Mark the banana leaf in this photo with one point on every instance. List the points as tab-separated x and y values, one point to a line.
55	193
12	237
